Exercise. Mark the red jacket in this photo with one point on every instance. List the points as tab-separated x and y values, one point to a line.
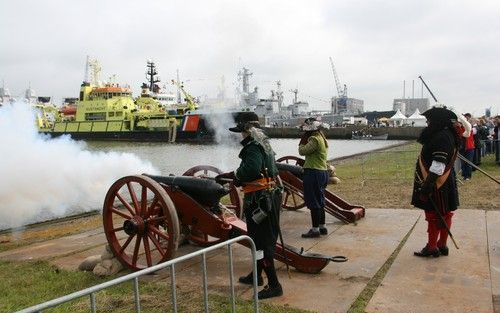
469	142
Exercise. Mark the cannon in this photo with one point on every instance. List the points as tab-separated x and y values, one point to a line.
291	172
144	215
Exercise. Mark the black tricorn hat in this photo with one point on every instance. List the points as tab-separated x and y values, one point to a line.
244	120
440	115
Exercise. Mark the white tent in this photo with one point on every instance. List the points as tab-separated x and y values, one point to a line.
398	119
416	119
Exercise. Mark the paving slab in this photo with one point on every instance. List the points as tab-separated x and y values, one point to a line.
493	222
458	283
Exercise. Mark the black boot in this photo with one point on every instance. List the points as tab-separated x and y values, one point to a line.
270	292
323	231
425	252
311	234
248	280
444	250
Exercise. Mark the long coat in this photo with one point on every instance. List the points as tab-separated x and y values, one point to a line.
254	160
440	147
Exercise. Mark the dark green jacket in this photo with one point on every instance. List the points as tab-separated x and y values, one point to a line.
253	161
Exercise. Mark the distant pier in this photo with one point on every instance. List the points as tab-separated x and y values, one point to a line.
395	133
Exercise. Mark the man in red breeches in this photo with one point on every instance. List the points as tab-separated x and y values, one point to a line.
435	188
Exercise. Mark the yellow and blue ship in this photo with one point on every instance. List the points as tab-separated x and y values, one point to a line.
109	112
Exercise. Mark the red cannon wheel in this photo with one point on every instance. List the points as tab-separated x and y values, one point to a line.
235	206
203	170
293	160
292	199
140	222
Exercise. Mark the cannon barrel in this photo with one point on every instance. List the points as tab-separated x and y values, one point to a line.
205	191
296	170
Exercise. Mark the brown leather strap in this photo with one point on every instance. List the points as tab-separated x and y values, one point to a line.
441	179
258	184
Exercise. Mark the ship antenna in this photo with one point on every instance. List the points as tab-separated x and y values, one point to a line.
179	100
86	78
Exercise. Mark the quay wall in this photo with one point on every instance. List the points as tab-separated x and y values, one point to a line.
395	133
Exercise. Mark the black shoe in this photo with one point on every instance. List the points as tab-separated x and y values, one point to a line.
248	280
323	231
311	234
444	250
425	252
270	292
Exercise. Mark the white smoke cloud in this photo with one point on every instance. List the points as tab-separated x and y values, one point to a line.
43	178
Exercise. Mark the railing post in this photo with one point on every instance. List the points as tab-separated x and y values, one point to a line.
92	303
136	295
231	276
205	287
174	294
254	272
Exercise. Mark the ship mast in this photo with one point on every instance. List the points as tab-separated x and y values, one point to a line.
295	92
279	95
150	76
96	72
244	75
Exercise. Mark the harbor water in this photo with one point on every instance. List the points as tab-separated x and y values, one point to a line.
177	158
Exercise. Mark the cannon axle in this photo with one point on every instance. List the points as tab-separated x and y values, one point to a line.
134	226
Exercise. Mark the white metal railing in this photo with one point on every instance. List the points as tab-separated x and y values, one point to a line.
171	263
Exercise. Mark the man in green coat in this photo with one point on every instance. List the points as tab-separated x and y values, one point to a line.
257	176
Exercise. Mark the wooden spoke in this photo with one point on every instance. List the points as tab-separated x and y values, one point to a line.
144	200
132	194
150	210
136	250
157	244
118	229
159	233
126	204
118	212
125	245
147	251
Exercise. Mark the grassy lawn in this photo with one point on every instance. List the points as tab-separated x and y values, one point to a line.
25	284
384	179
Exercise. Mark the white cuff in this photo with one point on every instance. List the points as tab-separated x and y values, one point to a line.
437	168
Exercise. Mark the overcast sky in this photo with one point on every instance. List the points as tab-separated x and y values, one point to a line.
375	45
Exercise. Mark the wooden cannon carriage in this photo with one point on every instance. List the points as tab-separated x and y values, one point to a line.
144	215
291	171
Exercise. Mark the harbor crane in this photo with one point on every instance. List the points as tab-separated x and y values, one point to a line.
339	104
